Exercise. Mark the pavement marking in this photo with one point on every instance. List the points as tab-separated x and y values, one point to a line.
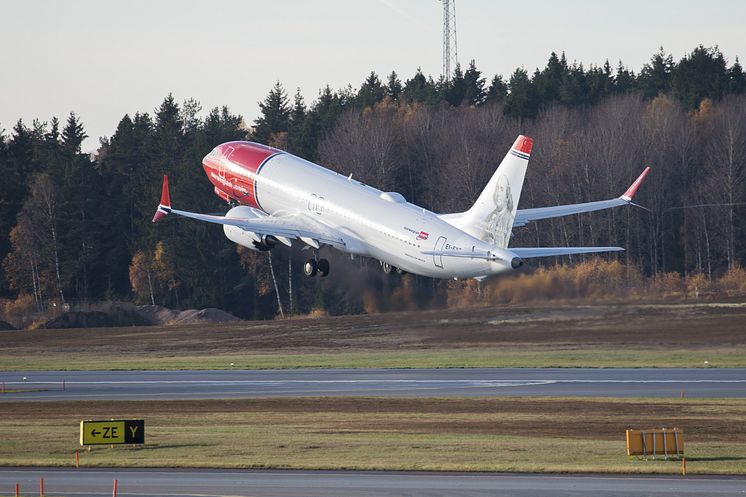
497	383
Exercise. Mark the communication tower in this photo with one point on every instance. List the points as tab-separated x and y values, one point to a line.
450	51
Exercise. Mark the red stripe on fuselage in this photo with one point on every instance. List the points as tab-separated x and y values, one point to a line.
232	168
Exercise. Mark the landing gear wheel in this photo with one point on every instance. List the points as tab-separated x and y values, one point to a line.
323	266
310	267
388	268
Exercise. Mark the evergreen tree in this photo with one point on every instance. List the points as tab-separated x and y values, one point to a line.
6	221
736	79
550	79
574	88
371	92
394	86
498	90
701	74
624	80
300	136
600	81
275	115
81	218
221	126
455	90
73	135
522	101
655	77
420	89
474	93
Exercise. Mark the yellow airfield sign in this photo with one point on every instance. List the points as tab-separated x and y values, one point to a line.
120	431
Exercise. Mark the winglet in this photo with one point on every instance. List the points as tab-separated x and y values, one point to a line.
634	186
165	206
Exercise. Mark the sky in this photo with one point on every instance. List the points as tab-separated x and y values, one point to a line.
103	59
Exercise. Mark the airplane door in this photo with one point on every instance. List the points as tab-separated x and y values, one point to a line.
438	259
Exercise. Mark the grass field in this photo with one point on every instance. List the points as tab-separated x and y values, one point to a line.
526	357
518	434
622	335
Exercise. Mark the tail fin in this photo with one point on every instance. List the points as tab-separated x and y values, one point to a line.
491	217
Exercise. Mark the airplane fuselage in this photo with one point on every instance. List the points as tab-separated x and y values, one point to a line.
377	224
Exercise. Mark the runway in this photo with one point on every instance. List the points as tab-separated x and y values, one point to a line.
143	385
203	483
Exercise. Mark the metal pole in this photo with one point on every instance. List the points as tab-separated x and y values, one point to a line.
114	492
41	487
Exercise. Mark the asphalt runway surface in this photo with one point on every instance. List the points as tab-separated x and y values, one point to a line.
203	483
561	382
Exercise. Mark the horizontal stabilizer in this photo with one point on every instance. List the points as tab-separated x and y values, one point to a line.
471	254
509	254
529	252
525	216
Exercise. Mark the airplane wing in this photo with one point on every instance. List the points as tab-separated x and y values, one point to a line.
525	216
292	225
289	226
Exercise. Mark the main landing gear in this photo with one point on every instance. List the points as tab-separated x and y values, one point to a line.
312	267
389	269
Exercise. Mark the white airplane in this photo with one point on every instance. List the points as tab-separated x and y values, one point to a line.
279	197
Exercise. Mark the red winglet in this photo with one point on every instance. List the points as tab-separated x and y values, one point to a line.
634	186
165	205
523	144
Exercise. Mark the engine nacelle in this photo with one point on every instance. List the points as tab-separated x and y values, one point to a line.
247	239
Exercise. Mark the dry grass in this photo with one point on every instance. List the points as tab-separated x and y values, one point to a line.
551	435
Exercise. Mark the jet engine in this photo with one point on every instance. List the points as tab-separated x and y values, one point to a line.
248	239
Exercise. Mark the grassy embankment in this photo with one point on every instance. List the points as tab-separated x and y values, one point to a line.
526	357
519	434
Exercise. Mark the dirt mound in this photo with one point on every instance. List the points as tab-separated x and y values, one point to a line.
157	314
6	326
114	317
209	315
162	316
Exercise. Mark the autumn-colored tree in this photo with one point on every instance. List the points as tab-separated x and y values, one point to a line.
34	263
153	276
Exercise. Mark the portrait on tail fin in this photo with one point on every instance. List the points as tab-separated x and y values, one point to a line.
499	223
